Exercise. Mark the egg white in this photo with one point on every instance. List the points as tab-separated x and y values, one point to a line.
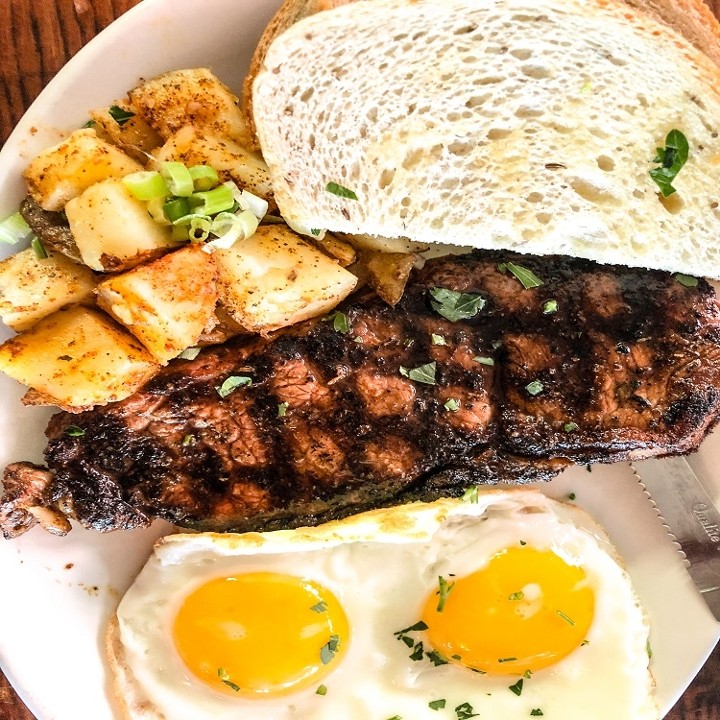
381	566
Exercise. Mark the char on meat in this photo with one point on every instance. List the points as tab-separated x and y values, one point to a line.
597	364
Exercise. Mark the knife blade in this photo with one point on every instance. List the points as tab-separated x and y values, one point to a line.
691	518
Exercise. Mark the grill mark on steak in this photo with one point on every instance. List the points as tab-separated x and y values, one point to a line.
629	367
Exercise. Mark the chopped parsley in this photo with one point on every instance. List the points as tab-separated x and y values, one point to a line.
328	650
519	595
436	658
340	191
422	374
648	649
120	115
535	387
319	607
507	659
189	440
282	409
672	157
550	307
452	405
436	704
315	231
437	339
537	712
74	431
443	592
225	678
189	353
231	384
395	717
571	496
567	619
527	278
471	494
340	322
322	690
455	305
686	280
517	687
484	360
570	427
465	711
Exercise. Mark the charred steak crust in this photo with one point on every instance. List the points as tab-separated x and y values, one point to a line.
597	364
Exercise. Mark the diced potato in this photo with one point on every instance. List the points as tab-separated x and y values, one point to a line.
31	287
76	358
342	251
113	230
194	146
384	244
274	279
167	303
62	172
386	273
134	135
190	97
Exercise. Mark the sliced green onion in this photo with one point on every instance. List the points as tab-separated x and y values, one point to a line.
180	233
38	248
199	228
230	228
146	185
204	177
213	202
156	210
13	229
176	208
178	178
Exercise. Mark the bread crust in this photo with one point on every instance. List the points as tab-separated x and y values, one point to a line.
692	19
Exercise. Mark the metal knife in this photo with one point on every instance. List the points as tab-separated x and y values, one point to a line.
690	517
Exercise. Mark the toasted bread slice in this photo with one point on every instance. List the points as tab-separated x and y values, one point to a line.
491	126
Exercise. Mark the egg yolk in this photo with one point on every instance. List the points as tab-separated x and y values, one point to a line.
525	610
260	633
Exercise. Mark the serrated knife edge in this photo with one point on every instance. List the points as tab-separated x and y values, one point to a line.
692	520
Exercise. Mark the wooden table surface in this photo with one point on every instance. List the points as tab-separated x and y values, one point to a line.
36	38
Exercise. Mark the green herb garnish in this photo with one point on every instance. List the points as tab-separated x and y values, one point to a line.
436	704
455	305
322	690
319	607
567	619
340	191
38	248
535	387
225	678
686	280
550	307
231	384
471	494
328	650
452	405
74	431
465	711
422	374
517	687
189	440
282	409
672	157
537	712
120	115
527	278
340	321
443	591
570	427
519	595
484	360
437	339
436	658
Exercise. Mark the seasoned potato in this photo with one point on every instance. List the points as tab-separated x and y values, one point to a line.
76	358
133	135
31	287
167	303
384	244
113	230
274	279
190	97
342	251
194	146
62	172
386	273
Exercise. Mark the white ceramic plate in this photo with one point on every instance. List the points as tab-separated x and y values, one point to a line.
57	593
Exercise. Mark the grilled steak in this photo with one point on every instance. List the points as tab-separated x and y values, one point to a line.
377	404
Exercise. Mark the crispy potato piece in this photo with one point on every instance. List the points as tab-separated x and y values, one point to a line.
167	303
342	251
194	146
133	136
383	244
190	97
386	273
64	171
31	287
113	230
76	358
275	278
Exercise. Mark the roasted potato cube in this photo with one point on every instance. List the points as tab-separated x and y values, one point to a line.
384	244
62	172
134	135
386	273
342	251
193	146
113	230
76	358
190	97
274	279
31	287
167	303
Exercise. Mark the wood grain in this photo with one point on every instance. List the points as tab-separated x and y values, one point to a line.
36	40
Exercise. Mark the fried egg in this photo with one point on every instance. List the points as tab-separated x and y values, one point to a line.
504	605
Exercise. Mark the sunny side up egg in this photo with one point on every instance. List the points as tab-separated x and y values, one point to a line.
506	605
